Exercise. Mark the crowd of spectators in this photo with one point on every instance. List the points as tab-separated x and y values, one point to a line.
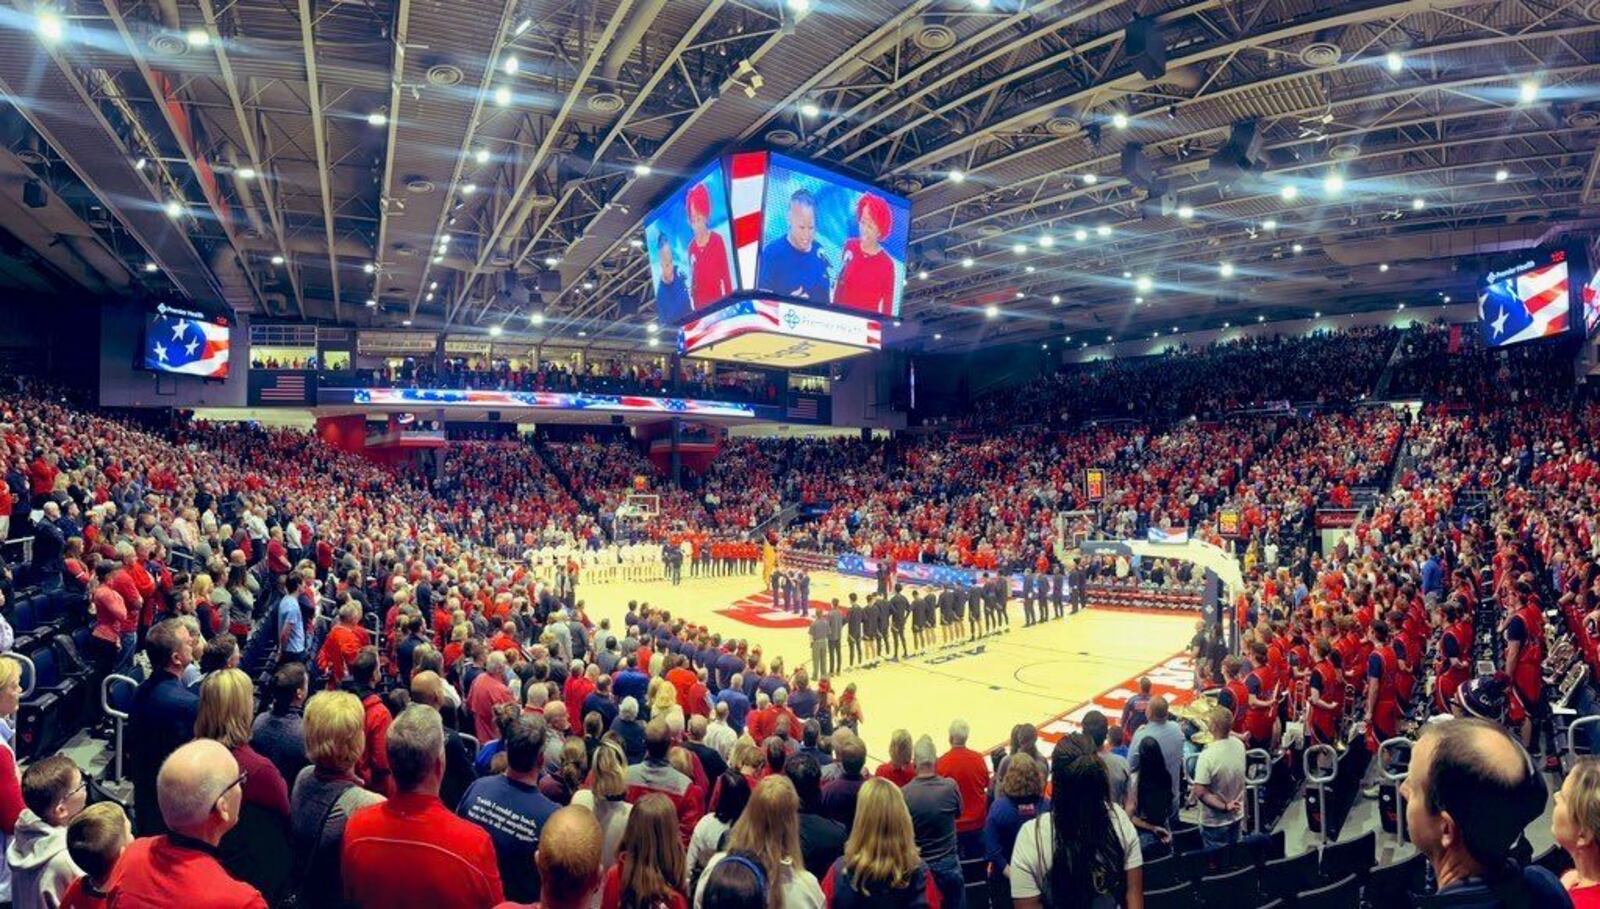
597	375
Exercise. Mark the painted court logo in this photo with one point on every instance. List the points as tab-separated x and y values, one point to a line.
757	610
1173	679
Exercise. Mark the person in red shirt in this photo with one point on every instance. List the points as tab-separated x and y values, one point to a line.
488	690
579	685
899	769
201	791
710	277
970	772
373	767
96	839
411	852
342	645
866	275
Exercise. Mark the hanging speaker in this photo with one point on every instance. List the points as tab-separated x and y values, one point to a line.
1147	48
1136	168
549	282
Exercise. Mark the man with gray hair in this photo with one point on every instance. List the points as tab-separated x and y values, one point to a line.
970	772
935	805
720	736
447	861
630	730
200	791
489	690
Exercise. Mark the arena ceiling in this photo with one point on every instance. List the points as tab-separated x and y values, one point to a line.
386	162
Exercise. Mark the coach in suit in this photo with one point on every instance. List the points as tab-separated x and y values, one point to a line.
1027	598
835	618
853	620
1057	589
899	609
1078	582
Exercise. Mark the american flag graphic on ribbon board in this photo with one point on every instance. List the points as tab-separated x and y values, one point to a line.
186	346
1526	305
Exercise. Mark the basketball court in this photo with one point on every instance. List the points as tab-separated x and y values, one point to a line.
1047	675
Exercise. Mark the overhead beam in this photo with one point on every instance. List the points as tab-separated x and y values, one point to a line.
319	136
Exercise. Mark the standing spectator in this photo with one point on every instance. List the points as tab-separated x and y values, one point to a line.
880	865
161	716
1019	800
970	772
1096	728
821	839
769	833
96	839
732	793
374	765
606	799
279	734
935	806
11	804
488	690
568	862
839	795
448	863
256	850
1575	826
1084	851
291	622
629	730
1470	792
512	809
655	774
649	873
1169	736
41	870
899	769
1150	796
325	794
1219	783
199	790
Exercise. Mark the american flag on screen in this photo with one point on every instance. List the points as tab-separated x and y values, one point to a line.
1526	307
190	347
744	316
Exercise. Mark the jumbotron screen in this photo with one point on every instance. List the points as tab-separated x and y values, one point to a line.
691	247
185	342
1528	300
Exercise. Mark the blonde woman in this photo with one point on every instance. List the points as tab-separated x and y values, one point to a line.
10	779
227	702
604	795
1575	825
899	770
880	865
769	834
326	794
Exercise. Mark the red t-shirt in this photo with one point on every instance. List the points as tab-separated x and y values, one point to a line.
900	777
1582	898
866	281
79	896
970	772
709	278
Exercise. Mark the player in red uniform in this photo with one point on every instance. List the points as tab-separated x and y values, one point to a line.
1325	694
1525	664
710	277
1383	699
866	277
1455	654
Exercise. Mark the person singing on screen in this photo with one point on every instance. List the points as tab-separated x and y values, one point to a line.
866	278
672	298
709	280
793	266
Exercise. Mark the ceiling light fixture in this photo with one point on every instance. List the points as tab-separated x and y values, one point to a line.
551	261
1394	61
495	331
955	176
654	342
151	268
992	311
1418	204
922	275
173	208
1185	212
810	110
1528	91
502	96
468	189
1055	299
1091	179
246	173
967	262
652	328
523	26
1269	224
1145	284
1384	266
1297	248
482	156
536	319
1119	120
377	118
277	260
1104	230
47	24
1225	269
1019	248
641	169
511	65
1502	175
369	268
371	303
1333	184
1289	193
197	37
1046	241
1080	235
433	285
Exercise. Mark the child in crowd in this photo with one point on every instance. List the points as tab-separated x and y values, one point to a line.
95	840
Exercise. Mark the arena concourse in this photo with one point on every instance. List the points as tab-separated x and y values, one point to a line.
787	454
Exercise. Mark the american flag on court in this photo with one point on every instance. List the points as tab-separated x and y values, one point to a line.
188	346
285	386
1527	306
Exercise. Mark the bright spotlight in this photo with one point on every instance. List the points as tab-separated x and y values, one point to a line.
173	208
468	189
551	261
1055	299
1144	284
1127	275
482	156
277	260
967	262
955	176
1080	235
1225	269
1185	212
511	65
151	268
1298	249
377	118
641	169
1394	61
1383	266
653	342
810	110
1269	224
1502	175
536	319
502	96
372	303
1528	91
1030	269
247	173
922	275
1103	230
1119	120
652	328
992	311
495	331
1046	241
49	26
1333	184
1091	179
1288	193
1019	248
1418	204
197	37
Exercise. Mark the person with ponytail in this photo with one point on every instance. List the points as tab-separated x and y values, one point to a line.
1084	853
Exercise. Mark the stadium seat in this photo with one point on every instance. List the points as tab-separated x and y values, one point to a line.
1283	878
1187	839
1356	856
1397	884
53	708
1162	873
1341	894
1264	847
1179	897
1220	891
